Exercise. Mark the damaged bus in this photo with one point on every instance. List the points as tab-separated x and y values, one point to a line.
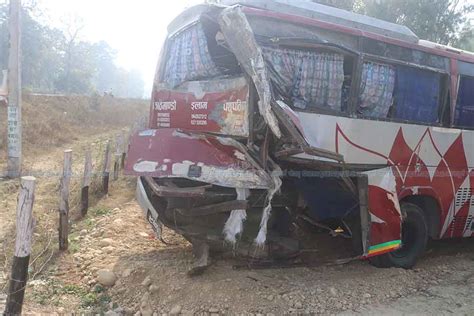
275	121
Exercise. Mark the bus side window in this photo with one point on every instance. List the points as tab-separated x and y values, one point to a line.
464	112
308	79
189	58
376	90
417	94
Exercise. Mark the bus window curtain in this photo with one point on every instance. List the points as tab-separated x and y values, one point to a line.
417	95
309	79
464	115
377	85
189	58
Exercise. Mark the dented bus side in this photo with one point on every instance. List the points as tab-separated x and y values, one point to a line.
262	127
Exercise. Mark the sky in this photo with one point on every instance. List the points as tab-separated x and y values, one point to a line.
136	29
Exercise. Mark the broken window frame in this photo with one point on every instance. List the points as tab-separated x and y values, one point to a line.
360	89
298	44
164	55
456	104
443	107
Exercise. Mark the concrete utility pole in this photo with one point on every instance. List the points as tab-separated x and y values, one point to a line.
14	91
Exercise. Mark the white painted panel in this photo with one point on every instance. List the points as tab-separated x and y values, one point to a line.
468	140
379	137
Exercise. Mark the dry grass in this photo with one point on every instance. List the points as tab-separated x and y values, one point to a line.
51	125
52	121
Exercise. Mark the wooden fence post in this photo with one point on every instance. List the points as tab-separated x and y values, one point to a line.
118	155
24	232
128	137
64	201
86	182
126	140
106	170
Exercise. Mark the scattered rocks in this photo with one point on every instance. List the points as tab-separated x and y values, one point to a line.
3	301
153	288
176	310
145	306
347	288
108	249
126	273
117	223
106	242
106	277
146	282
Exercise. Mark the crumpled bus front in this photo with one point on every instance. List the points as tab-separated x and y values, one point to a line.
170	153
241	149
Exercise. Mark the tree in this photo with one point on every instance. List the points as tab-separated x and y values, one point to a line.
467	44
39	49
72	26
40	54
135	84
106	71
59	61
440	21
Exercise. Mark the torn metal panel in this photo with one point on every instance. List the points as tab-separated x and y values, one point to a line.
173	191
290	120
262	233
240	38
365	220
149	210
169	153
235	223
385	213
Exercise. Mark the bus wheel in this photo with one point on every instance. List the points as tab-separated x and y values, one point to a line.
414	239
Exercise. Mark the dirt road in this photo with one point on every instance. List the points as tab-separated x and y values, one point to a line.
150	277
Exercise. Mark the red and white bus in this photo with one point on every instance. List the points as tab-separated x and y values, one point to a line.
269	118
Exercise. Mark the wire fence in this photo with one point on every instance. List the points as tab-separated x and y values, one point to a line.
49	181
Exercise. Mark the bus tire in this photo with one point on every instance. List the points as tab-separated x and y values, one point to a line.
414	240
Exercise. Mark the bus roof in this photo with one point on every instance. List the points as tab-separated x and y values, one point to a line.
333	15
446	48
308	12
